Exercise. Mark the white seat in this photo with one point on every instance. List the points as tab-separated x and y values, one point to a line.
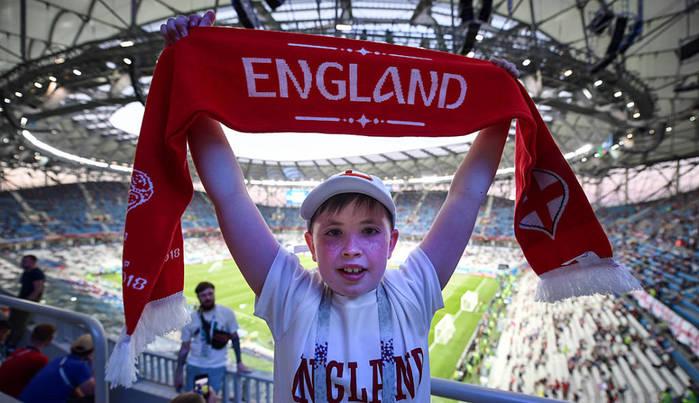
639	327
621	381
654	359
590	386
652	372
597	378
683	377
674	383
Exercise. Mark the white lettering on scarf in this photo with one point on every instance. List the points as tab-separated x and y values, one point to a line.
333	81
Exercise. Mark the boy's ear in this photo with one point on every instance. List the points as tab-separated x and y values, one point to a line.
309	241
392	242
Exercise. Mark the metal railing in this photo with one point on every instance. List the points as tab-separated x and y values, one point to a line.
250	387
479	394
91	325
259	387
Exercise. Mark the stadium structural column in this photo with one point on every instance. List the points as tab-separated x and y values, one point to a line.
23	29
678	175
626	186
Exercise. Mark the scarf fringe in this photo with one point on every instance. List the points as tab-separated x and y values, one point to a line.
158	318
603	276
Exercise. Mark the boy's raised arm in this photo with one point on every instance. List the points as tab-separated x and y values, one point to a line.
447	238
249	240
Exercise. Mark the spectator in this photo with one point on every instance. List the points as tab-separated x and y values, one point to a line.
204	341
21	366
666	396
690	395
32	288
4	333
193	397
64	377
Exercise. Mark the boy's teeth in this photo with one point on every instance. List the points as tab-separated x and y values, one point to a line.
351	270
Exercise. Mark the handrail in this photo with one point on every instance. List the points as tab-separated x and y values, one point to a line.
440	387
150	371
474	393
93	326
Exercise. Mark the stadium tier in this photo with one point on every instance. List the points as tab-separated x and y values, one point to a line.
590	350
117	105
489	325
662	253
96	207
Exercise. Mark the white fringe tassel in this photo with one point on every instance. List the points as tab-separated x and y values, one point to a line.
158	318
601	276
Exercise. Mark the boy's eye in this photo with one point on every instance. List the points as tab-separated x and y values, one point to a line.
333	232
370	231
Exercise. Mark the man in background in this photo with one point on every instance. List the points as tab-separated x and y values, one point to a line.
204	341
4	334
32	288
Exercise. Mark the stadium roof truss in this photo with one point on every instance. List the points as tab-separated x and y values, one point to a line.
615	80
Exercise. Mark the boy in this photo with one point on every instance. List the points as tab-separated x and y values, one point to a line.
349	331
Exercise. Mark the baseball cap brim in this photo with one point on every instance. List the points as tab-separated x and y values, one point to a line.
340	184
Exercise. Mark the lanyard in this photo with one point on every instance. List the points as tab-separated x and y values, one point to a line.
208	333
320	384
63	374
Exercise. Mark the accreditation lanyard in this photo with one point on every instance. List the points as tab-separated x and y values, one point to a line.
320	383
63	374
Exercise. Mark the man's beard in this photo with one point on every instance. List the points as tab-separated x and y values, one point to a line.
208	306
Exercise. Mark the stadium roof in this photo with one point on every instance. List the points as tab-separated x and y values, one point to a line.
67	67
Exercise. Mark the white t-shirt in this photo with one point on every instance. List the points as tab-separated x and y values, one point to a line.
289	302
201	354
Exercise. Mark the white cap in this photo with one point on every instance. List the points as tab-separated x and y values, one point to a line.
348	182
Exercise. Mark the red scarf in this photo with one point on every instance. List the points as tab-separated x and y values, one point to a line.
263	81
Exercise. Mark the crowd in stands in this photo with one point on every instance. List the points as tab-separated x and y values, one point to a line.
478	257
590	349
98	207
416	210
659	241
79	209
27	373
283	218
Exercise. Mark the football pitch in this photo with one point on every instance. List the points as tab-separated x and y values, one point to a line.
233	291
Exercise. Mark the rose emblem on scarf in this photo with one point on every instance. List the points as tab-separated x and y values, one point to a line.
141	189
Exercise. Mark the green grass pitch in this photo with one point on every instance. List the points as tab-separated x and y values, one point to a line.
233	291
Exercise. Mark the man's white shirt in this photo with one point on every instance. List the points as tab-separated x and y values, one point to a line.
201	354
289	301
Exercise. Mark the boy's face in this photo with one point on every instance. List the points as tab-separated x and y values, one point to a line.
352	248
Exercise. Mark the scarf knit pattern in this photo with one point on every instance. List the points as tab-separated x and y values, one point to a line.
264	81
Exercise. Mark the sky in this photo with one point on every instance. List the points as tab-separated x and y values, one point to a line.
297	146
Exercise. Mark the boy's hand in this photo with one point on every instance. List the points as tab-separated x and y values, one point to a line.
177	28
508	66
